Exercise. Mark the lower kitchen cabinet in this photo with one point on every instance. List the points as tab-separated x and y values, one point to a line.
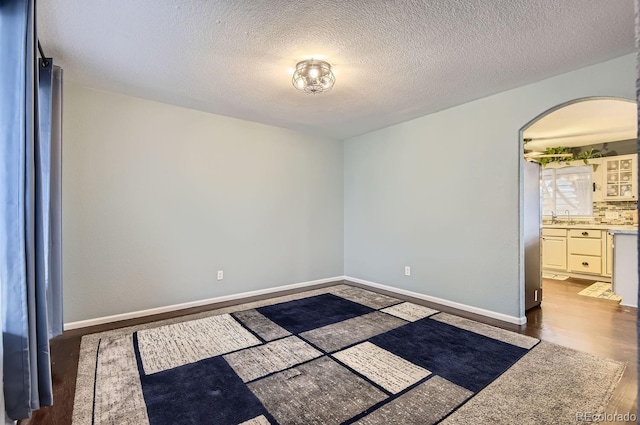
589	264
578	252
585	251
554	249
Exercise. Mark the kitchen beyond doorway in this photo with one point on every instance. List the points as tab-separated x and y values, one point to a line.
583	190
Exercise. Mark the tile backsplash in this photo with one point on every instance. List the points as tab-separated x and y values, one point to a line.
624	209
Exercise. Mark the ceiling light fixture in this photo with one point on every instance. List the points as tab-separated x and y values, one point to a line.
313	76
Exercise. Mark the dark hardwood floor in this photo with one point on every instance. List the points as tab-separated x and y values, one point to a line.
587	324
596	326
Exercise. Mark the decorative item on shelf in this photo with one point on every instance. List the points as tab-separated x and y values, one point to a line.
549	155
313	76
586	155
561	154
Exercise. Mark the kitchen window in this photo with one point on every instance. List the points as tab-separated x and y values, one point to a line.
567	189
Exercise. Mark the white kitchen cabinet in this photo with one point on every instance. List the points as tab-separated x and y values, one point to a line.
619	178
585	251
585	264
598	187
554	249
607	253
582	252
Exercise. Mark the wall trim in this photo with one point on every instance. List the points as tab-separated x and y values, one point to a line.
182	306
471	309
198	303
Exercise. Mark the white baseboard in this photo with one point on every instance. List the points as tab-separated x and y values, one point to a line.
471	309
182	306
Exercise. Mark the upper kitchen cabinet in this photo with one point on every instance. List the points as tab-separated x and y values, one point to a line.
601	131
619	178
598	188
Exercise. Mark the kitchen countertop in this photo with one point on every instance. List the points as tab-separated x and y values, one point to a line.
623	231
613	227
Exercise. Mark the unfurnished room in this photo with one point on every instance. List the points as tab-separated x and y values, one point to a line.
318	212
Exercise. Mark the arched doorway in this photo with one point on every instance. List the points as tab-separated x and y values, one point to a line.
572	130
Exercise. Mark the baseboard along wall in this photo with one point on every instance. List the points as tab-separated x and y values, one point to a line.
149	312
471	309
198	303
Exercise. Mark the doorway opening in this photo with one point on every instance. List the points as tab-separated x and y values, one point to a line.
579	187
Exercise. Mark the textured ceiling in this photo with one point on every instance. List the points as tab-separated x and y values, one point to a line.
393	60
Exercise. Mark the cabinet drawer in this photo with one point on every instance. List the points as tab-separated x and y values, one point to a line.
585	264
585	246
554	232
585	233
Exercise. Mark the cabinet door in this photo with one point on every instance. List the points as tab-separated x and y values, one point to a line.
554	253
598	172
585	264
608	253
619	178
585	246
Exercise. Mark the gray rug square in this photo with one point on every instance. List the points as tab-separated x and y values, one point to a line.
118	393
256	362
425	404
364	297
261	325
409	311
179	344
307	394
339	335
260	420
391	372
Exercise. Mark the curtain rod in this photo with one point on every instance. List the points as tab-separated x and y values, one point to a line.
45	62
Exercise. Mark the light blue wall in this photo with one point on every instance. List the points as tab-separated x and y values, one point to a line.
157	198
441	193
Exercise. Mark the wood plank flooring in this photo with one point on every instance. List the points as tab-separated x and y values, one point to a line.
596	326
587	324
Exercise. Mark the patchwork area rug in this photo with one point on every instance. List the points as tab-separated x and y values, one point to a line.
337	355
602	290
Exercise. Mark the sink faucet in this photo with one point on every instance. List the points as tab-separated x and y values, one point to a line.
568	216
554	217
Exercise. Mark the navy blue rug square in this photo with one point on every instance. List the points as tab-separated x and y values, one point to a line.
205	392
465	358
313	312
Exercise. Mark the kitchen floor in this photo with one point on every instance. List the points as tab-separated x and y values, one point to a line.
598	326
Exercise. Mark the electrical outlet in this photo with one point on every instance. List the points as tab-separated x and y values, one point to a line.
407	271
220	275
611	215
